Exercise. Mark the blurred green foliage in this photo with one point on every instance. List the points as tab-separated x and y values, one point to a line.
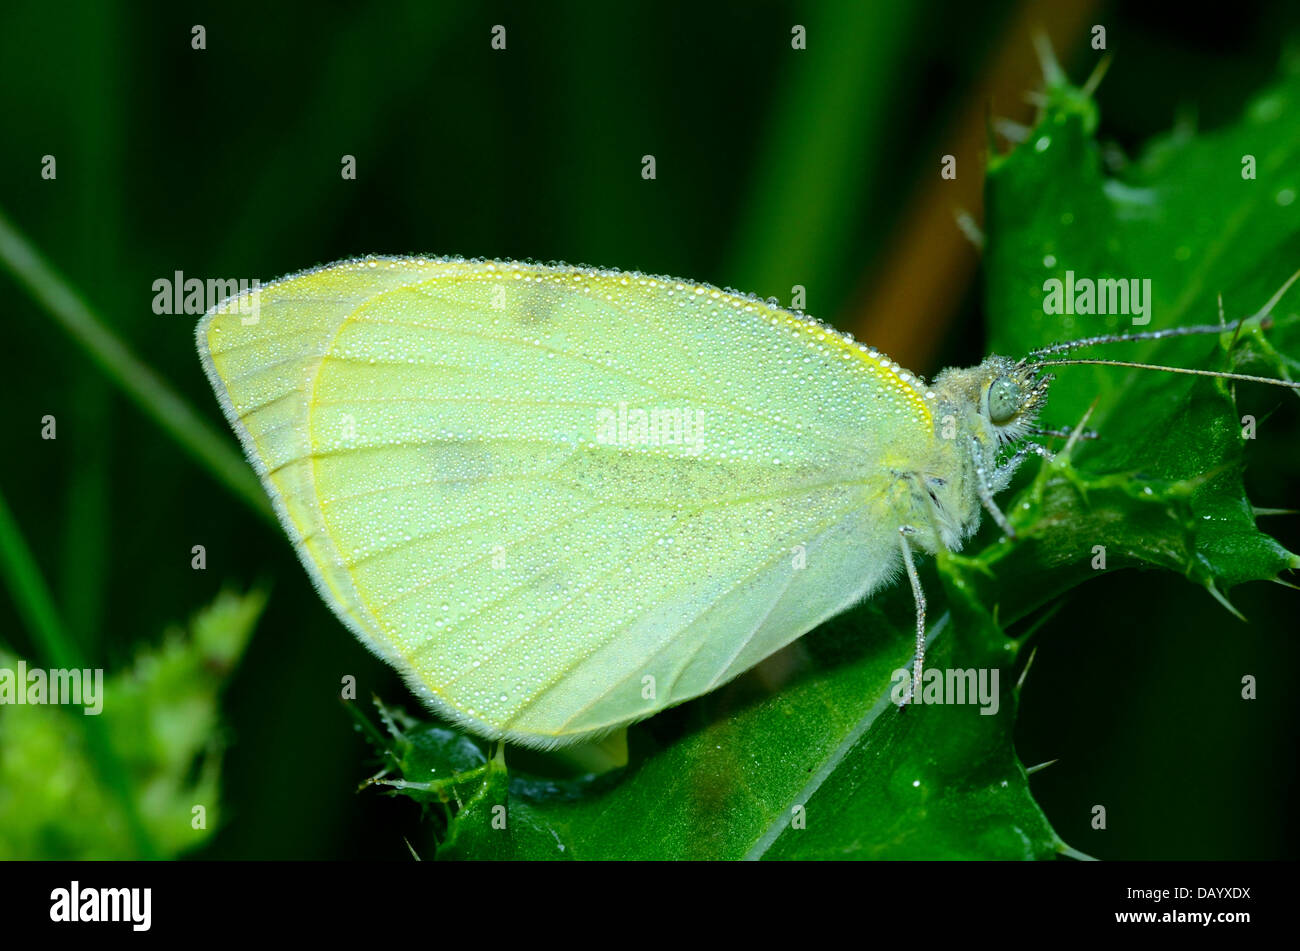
159	718
225	162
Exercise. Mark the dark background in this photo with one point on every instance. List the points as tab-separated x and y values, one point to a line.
775	168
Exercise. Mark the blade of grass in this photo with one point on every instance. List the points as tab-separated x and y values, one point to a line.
32	598
30	595
106	46
149	391
833	107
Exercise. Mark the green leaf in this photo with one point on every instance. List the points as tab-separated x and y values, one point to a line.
812	731
1183	218
160	718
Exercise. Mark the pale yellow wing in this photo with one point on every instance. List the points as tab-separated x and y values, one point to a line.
560	499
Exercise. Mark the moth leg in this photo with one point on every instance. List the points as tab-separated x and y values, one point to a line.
1030	447
1038	450
925	494
918	663
1063	432
986	494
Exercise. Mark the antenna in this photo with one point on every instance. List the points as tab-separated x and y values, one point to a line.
1146	335
1221	374
1033	359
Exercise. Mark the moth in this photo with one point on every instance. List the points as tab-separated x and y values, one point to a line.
561	499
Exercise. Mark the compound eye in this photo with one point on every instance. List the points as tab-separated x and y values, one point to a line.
1005	401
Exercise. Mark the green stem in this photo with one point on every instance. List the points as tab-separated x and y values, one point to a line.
30	595
149	391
